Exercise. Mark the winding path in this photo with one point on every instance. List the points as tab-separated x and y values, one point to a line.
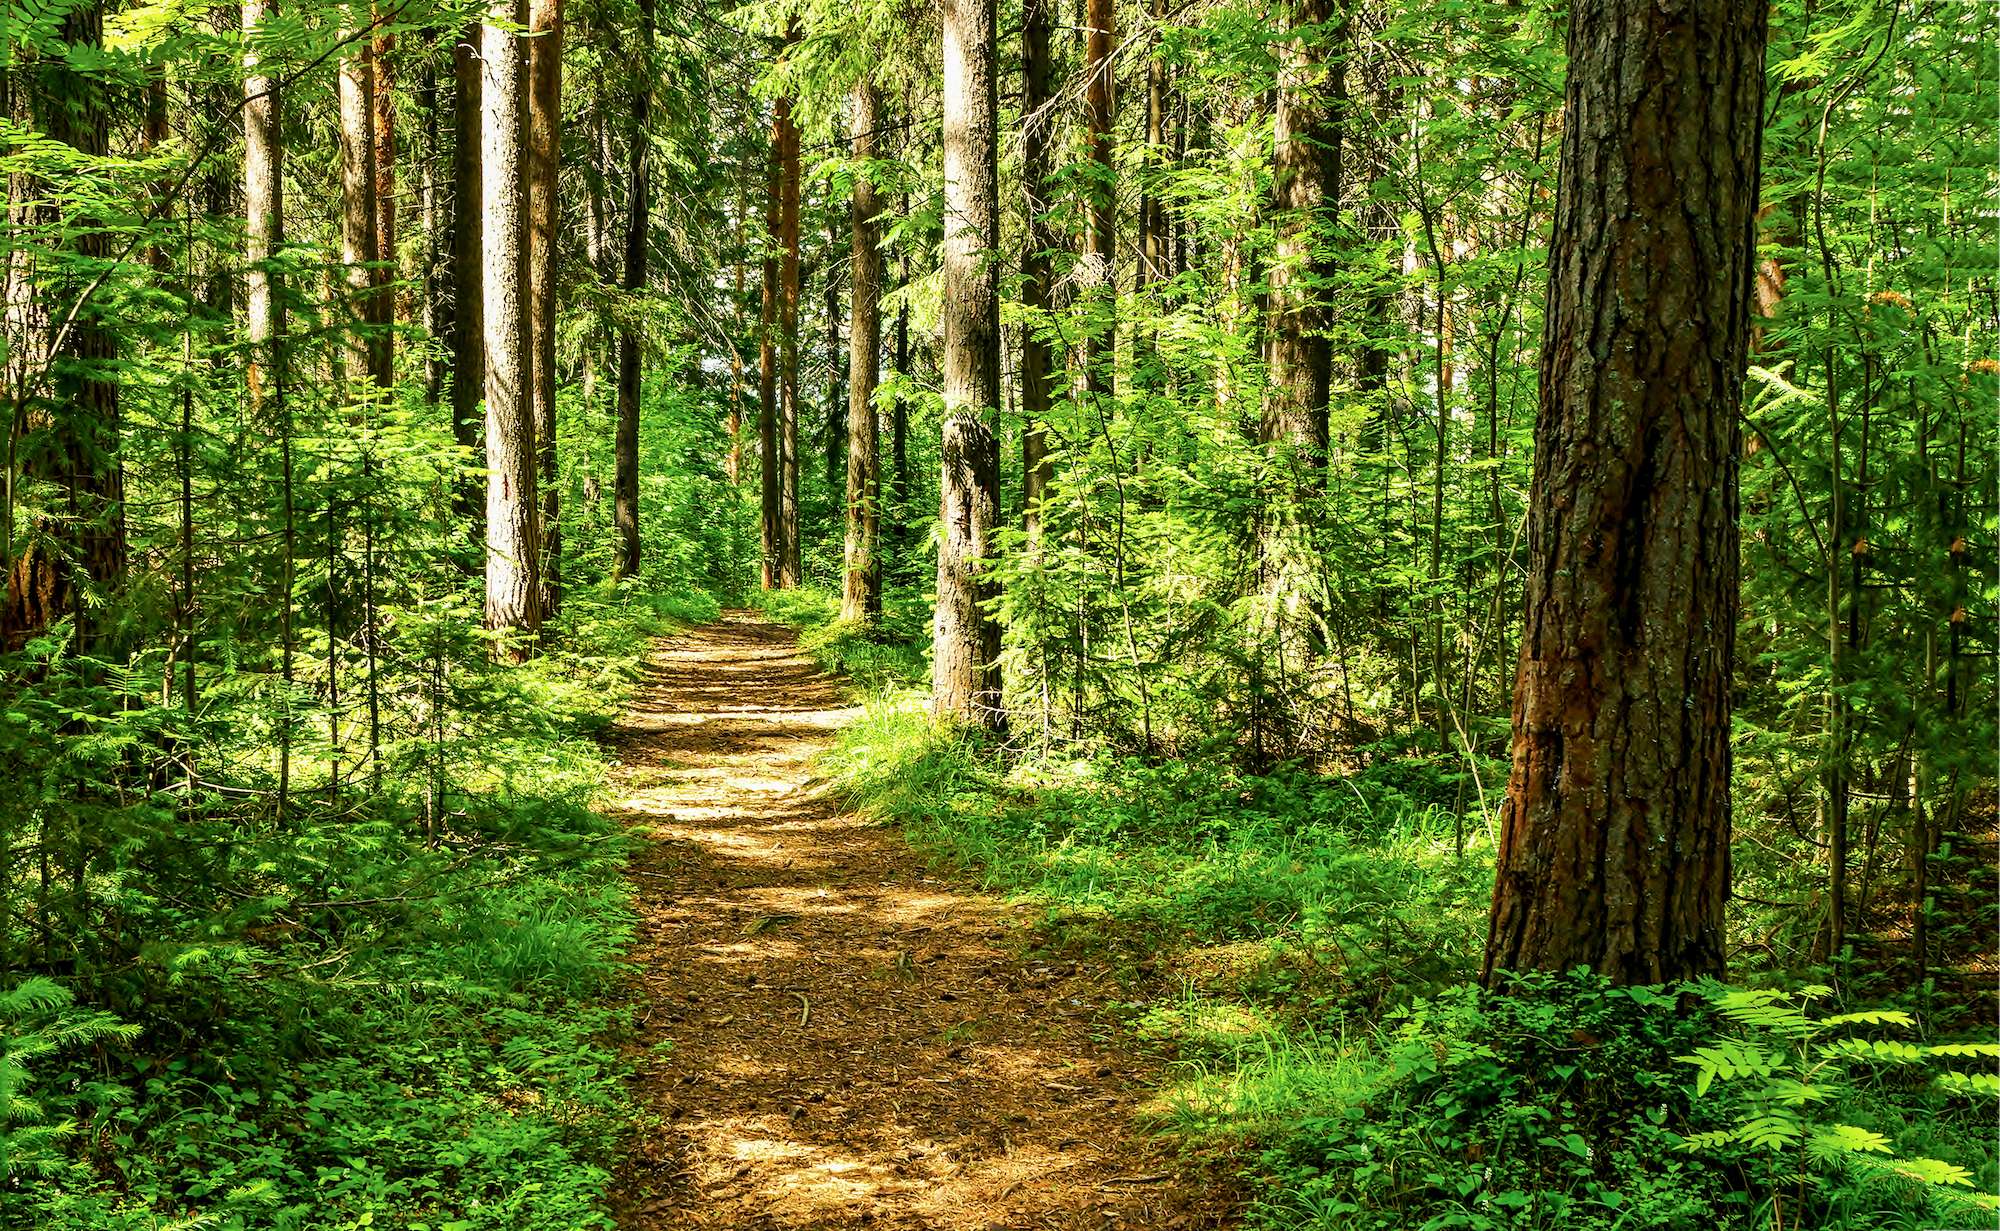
834	1034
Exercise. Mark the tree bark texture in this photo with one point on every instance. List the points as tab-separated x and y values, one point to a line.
1614	850
965	679
513	540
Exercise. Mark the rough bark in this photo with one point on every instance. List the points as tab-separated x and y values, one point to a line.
513	585
545	23
625	483
861	589
965	680
1614	851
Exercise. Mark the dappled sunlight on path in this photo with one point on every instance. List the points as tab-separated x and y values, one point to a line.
836	1035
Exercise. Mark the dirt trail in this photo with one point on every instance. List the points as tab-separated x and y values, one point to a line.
839	1036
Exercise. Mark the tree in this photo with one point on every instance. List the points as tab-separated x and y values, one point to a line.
77	558
264	325
861	590
513	538
1614	850
965	677
790	553
638	212
382	149
468	320
365	360
1305	187
1101	239
545	23
769	462
1038	359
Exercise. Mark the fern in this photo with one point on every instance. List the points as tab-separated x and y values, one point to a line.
1785	1066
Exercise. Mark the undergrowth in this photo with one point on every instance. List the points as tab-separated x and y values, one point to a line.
1303	945
387	1010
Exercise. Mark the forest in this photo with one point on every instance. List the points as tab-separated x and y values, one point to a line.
1284	614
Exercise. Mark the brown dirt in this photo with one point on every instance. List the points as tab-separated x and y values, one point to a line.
835	1034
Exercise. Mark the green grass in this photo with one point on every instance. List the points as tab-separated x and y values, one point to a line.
393	1019
1301	946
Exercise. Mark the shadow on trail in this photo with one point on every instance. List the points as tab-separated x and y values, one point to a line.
835	1035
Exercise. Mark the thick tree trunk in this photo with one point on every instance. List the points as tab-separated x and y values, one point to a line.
965	679
1614	851
769	463
625	484
1037	356
861	590
468	334
513	540
791	559
545	22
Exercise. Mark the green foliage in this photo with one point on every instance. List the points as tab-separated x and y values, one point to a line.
1787	1072
1562	1102
385	1011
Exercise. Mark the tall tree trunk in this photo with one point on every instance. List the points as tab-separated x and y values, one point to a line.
513	584
791	559
1305	188
545	22
357	205
965	679
861	590
625	486
382	119
733	466
468	332
1614	851
264	328
1101	243
1153	254
1037	356
433	274
836	406
770	464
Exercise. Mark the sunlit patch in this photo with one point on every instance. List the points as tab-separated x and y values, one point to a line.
853	1042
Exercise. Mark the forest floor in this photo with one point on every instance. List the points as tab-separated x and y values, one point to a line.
833	1033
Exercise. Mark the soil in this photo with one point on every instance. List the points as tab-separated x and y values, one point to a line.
835	1033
